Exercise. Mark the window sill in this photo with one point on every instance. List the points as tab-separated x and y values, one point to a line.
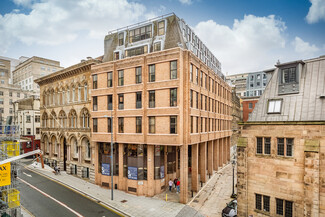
262	212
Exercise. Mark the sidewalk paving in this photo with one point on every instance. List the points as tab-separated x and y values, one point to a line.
215	194
134	205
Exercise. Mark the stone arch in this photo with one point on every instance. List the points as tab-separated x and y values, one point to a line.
84	118
54	143
44	120
74	146
53	119
45	146
62	119
72	118
86	146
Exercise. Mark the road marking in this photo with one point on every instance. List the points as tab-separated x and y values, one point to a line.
46	195
27	174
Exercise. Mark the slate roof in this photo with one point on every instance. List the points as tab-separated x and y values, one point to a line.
307	105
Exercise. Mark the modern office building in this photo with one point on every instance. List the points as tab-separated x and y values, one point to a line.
170	108
239	81
65	119
282	146
33	68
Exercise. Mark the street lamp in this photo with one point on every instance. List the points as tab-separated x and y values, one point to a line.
106	116
233	195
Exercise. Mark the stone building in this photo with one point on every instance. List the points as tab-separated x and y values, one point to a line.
281	167
239	81
170	104
33	68
236	117
65	119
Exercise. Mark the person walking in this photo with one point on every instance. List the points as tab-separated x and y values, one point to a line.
178	186
170	184
175	182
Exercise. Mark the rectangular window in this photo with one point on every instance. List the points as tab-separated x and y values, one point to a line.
138	124
173	97
197	100
37	119
258	201
289	75
197	124
120	38
250	105
191	98
259	145
201	79
109	102
289	147
279	206
138	75
139	100
161	28
281	146
152	99
95	125
266	203
140	33
95	106
288	209
191	72
28	131
120	77
152	125
267	145
201	102
120	101
173	124
192	124
94	81
274	106
152	73
37	130
109	79
109	125
121	125
197	75
157	46
136	51
173	69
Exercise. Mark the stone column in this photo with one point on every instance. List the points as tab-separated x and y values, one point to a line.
242	193
184	174
210	157
150	172
220	153
311	178
203	164
195	167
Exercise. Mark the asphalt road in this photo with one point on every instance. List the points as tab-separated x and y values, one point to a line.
54	200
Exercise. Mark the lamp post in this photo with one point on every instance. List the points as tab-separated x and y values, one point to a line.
233	195
111	153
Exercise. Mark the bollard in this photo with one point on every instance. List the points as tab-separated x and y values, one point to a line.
192	193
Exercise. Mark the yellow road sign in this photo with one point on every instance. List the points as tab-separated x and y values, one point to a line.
5	173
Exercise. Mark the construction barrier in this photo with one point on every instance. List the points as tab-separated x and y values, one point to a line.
11	197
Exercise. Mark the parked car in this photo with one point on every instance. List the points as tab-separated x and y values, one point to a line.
230	210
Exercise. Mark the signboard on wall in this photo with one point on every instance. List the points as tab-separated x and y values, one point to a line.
162	172
106	169
133	173
5	172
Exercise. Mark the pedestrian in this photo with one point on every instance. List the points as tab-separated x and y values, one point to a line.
178	186
175	182
170	184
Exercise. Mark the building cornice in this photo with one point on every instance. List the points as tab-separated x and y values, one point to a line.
67	72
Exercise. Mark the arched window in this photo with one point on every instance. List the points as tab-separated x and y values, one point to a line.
86	145
53	142
85	92
44	120
73	94
53	119
79	93
47	144
74	144
84	118
63	97
63	119
73	118
68	95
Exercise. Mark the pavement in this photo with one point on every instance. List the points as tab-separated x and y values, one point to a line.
132	205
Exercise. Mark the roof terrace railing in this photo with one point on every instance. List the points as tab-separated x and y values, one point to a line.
140	23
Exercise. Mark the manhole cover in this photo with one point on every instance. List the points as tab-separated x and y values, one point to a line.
123	201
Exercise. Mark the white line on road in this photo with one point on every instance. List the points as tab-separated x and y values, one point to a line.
45	194
27	174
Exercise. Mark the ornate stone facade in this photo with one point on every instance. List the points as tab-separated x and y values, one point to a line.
65	119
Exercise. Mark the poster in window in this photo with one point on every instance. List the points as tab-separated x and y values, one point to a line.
106	169
162	172
133	173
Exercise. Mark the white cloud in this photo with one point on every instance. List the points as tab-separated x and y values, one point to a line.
316	11
53	22
304	48
250	44
25	3
186	2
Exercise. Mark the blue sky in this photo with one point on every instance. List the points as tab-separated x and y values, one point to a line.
245	36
